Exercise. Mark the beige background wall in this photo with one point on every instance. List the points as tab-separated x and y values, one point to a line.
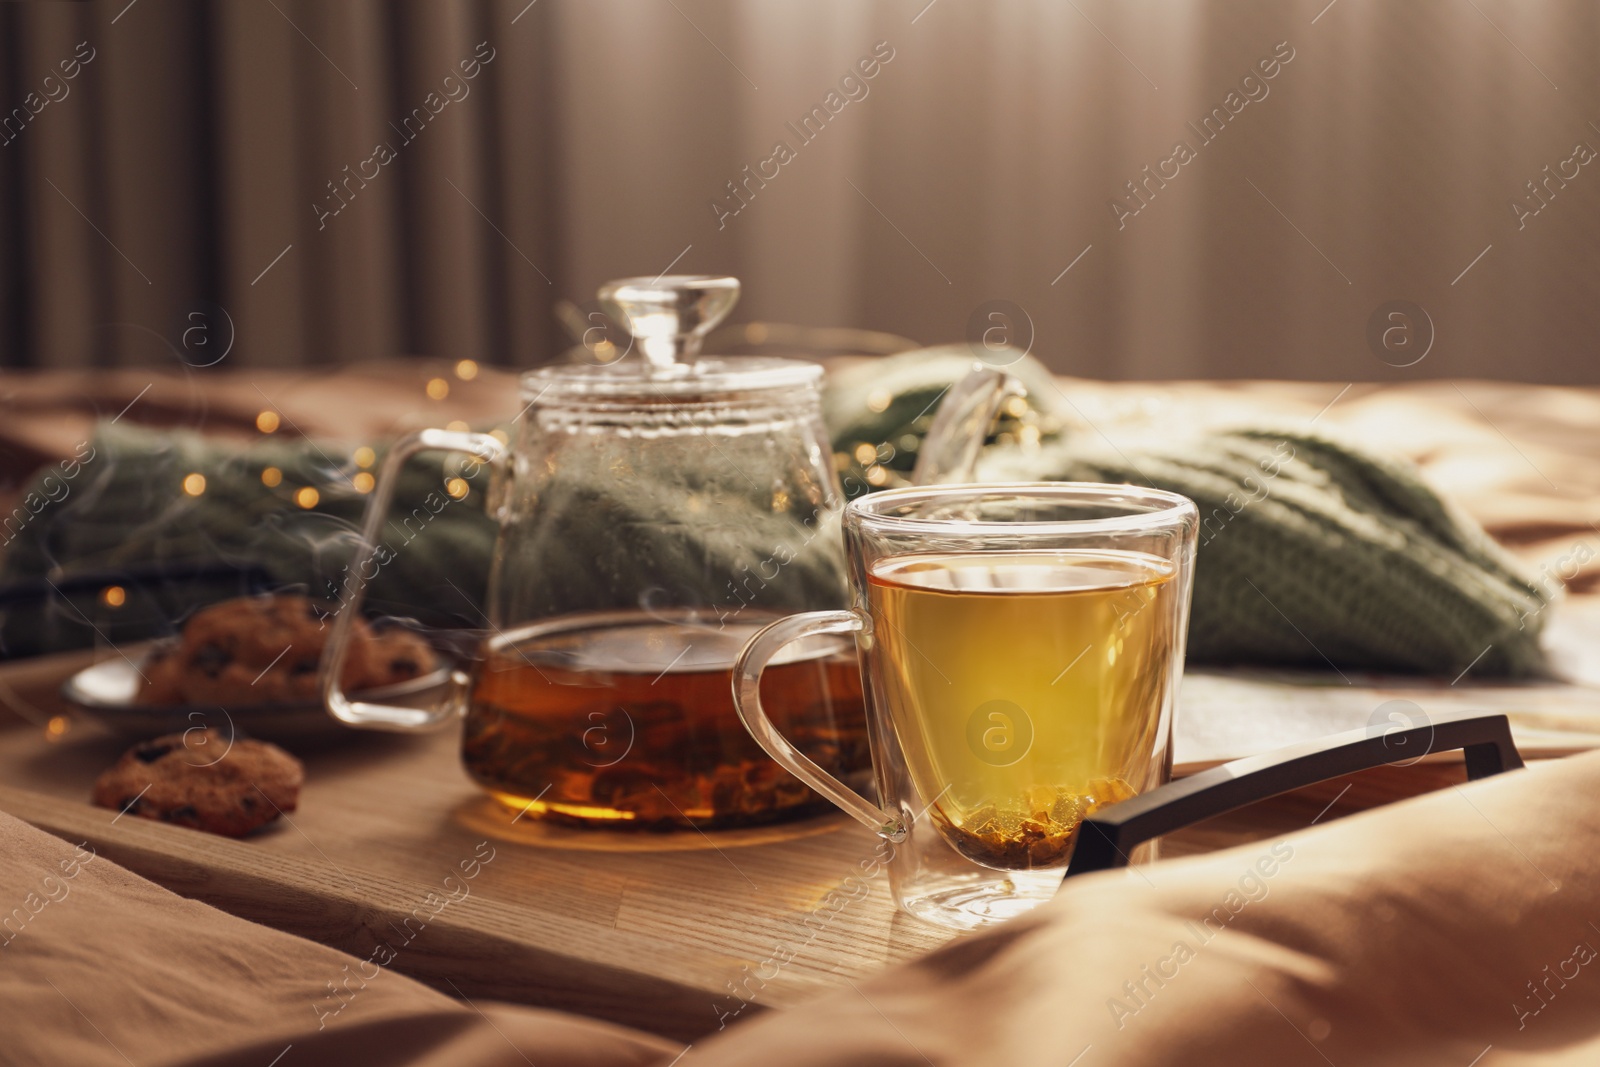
1379	166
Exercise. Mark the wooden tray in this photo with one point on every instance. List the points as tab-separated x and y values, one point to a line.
670	933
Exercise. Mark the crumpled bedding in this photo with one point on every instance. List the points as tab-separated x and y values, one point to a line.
1455	928
100	966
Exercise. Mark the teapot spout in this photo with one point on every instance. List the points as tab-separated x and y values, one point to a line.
950	451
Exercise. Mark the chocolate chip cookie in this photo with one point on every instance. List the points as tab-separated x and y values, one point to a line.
398	655
268	649
204	779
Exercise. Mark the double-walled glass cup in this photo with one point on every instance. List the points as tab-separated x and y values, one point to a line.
1021	648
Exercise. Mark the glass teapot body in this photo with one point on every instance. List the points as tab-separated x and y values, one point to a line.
645	535
654	514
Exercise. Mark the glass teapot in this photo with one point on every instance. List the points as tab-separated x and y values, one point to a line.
654	512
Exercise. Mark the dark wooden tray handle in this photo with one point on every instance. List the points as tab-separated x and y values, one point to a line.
1106	838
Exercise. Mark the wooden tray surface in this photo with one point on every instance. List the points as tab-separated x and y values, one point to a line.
669	933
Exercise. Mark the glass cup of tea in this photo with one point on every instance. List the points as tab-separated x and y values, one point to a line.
1021	647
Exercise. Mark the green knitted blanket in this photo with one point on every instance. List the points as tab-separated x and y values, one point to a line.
1312	553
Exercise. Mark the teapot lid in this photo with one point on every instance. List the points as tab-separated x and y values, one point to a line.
670	316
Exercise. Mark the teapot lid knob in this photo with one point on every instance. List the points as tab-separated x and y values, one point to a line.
672	314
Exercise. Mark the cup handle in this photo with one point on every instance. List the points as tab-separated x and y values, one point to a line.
372	716
753	659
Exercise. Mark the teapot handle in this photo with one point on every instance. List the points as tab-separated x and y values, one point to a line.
370	557
949	452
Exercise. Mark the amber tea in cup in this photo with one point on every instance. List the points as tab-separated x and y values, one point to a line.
1027	689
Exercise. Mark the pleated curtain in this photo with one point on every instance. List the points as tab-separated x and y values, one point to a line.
184	171
177	186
